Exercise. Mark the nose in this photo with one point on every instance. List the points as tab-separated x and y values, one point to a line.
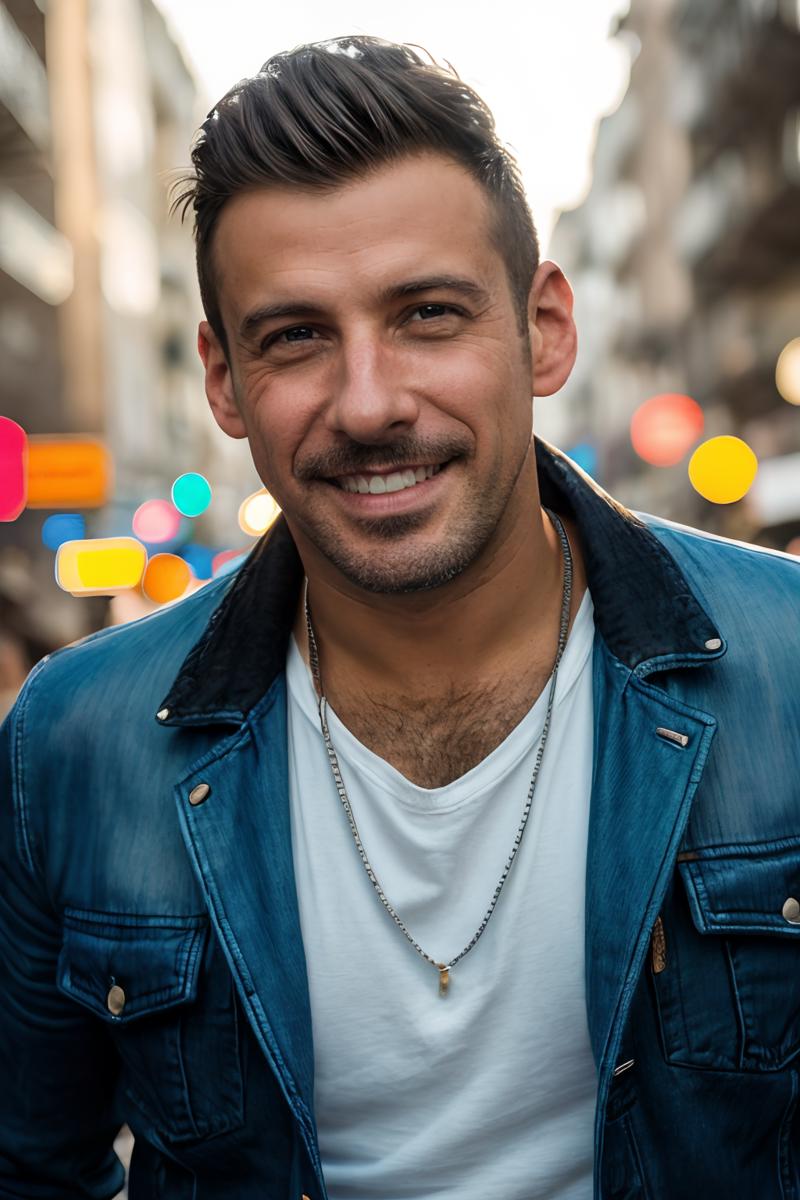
371	401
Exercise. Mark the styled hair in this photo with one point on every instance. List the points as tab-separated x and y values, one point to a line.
329	112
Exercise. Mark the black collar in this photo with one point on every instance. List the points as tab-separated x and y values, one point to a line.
644	608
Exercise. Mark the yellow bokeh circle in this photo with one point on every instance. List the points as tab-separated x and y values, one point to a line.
722	469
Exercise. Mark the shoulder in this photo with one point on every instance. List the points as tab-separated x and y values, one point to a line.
84	721
117	669
748	591
699	553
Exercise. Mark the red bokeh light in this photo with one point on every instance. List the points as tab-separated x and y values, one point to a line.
664	428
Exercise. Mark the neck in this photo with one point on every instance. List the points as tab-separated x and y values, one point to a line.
501	614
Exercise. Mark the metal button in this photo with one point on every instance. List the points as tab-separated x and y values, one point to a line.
162	714
115	1000
200	793
791	911
713	643
671	735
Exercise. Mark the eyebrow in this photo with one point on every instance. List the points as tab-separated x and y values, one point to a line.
306	308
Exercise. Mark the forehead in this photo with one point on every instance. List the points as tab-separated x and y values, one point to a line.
423	215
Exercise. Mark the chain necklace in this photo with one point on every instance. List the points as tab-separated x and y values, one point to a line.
322	704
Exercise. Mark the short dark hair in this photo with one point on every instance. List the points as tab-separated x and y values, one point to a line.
328	112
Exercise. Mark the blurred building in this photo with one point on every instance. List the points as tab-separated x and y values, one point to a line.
98	297
685	255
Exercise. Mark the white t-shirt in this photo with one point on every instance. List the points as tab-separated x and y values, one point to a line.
490	1090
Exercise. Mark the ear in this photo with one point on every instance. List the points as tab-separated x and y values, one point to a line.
554	339
219	383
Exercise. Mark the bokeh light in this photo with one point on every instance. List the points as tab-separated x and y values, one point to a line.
787	371
62	527
224	557
67	472
228	562
156	521
199	558
257	513
100	566
13	469
665	428
166	578
722	470
585	455
191	494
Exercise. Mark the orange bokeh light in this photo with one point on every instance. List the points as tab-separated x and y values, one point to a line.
65	472
166	578
665	428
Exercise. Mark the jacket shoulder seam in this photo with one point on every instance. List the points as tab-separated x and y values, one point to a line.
22	824
662	529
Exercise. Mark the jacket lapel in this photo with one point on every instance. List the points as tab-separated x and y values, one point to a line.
233	807
642	789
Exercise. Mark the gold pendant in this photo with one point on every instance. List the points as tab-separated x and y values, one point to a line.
444	978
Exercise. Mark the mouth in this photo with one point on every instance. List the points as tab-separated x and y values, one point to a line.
393	479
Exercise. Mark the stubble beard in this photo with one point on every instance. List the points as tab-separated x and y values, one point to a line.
394	569
390	567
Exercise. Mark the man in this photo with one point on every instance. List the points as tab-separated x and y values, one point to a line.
482	780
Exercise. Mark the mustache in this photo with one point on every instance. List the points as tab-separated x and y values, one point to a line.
356	458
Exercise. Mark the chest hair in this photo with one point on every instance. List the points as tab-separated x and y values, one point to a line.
434	740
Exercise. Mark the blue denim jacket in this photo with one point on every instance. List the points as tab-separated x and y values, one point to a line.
151	962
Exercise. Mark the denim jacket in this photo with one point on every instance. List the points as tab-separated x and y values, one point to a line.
151	962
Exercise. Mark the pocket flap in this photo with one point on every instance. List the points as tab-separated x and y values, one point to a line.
744	890
124	967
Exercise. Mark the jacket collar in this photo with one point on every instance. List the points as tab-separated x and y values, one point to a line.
644	607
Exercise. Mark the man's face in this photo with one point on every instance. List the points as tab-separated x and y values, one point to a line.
376	367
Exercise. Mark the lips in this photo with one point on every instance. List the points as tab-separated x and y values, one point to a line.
377	483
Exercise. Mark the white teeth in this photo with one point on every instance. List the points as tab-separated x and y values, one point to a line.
397	481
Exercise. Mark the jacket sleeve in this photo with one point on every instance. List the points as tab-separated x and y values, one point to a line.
57	1069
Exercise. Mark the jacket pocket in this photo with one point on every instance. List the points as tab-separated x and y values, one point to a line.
165	993
726	966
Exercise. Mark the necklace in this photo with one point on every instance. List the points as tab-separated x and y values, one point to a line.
444	969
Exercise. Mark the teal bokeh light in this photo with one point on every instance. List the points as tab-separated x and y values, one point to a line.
191	494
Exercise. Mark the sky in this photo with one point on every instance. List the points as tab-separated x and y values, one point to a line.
547	68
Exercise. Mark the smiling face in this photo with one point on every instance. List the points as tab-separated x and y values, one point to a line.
377	368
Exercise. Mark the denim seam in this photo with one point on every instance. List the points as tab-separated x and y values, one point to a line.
743	1031
137	922
23	834
633	1147
776	847
787	1187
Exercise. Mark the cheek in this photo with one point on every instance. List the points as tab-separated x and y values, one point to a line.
278	425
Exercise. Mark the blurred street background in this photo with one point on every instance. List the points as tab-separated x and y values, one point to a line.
659	141
660	145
